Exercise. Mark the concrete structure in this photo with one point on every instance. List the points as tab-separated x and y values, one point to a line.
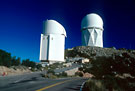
52	42
43	64
92	30
67	64
71	72
84	60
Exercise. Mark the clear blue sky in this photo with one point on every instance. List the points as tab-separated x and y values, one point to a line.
21	23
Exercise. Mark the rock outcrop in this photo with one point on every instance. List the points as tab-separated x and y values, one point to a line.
93	52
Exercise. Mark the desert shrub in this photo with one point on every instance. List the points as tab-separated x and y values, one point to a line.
29	63
33	69
101	66
122	49
93	54
87	70
108	84
50	71
39	66
94	85
15	62
79	74
64	74
51	76
81	69
5	58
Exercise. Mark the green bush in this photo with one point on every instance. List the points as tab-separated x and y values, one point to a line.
5	58
51	76
81	69
29	63
108	84
15	62
39	66
50	71
101	66
94	85
79	74
64	74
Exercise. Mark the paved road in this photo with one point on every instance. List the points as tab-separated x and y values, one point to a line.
34	82
18	78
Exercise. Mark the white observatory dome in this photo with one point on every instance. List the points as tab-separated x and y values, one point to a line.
53	27
92	20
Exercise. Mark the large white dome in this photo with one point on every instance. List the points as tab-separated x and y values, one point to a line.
92	20
53	27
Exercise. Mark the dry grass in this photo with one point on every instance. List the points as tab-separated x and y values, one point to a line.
94	85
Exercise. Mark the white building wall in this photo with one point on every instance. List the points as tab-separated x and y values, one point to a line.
92	37
52	47
99	41
71	72
43	47
56	47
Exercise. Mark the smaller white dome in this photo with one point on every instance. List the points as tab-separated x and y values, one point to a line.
53	27
92	20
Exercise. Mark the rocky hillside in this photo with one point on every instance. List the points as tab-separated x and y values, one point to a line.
14	70
112	69
93	52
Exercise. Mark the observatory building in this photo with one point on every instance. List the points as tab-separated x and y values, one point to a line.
92	30
52	42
